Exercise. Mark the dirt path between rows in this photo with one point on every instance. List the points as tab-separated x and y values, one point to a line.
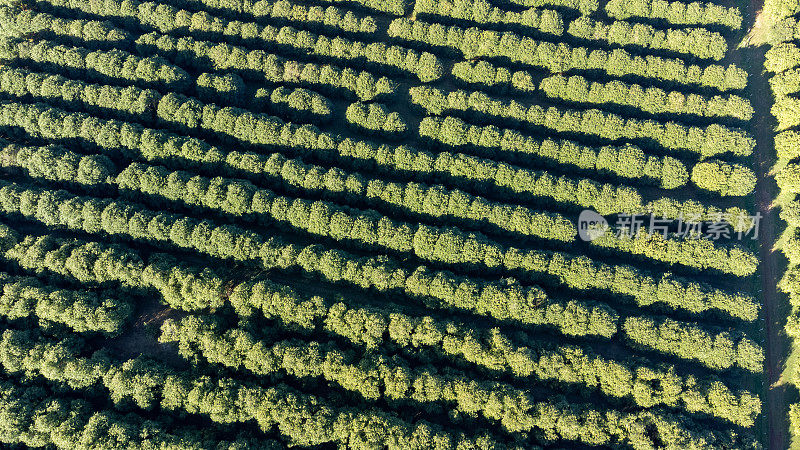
774	408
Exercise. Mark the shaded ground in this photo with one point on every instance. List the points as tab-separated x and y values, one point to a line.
772	262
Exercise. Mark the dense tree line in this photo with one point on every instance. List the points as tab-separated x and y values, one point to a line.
376	118
585	7
308	420
728	179
649	99
210	56
558	58
54	163
503	300
99	65
37	416
701	254
436	201
373	327
129	102
170	20
705	141
512	267
676	12
482	12
717	350
80	309
374	376
92	263
624	162
418	199
487	75
304	419
25	22
696	42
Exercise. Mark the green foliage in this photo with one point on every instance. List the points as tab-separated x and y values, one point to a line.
504	300
376	118
717	350
25	22
209	56
563	365
701	254
649	99
676	12
98	65
81	310
728	179
170	20
706	141
557	58
38	417
128	102
697	42
54	163
482	12
485	74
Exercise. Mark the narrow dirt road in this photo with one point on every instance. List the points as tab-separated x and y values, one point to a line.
775	408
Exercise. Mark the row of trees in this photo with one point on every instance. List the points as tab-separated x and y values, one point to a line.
585	7
36	417
26	22
701	254
433	201
80	309
649	99
372	326
296	104
331	17
560	365
624	162
171	20
375	376
717	350
129	102
311	420
419	200
376	118
99	65
705	141
782	62
728	179
558	58
503	300
481	11
54	163
487	75
260	65
304	419
676	12
181	285
693	42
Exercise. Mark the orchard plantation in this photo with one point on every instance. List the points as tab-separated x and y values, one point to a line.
260	224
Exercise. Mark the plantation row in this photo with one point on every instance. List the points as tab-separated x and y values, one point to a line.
248	224
558	58
189	112
369	326
438	247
